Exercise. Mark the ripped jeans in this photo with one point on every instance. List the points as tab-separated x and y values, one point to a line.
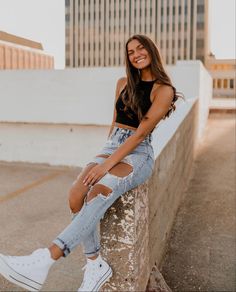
83	228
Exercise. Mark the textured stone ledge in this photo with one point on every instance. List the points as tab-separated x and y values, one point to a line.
124	232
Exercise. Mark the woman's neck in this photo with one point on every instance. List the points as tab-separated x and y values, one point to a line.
146	75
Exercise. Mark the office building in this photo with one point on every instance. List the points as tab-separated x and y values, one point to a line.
97	30
20	53
223	72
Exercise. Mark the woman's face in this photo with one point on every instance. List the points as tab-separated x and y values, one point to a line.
138	55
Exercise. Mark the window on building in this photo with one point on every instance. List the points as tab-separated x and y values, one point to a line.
185	9
218	83
180	9
225	84
67	2
67	17
173	44
200	8
231	83
200	25
200	43
214	83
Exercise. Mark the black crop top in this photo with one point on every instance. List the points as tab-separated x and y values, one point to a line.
145	87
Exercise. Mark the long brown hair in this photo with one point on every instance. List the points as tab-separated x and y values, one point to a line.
131	94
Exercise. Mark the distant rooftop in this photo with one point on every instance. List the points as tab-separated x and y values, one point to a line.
4	36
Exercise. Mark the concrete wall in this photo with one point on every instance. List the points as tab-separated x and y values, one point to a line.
170	178
45	116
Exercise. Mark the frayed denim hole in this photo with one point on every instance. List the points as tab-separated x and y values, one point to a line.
105	198
97	198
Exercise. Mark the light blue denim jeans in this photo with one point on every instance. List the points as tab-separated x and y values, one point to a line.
83	229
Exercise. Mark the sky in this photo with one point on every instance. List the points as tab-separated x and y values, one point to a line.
43	21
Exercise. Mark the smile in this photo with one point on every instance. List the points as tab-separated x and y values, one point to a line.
140	60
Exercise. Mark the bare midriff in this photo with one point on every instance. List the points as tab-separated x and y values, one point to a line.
125	126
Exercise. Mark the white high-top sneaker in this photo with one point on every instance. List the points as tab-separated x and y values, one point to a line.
97	272
29	272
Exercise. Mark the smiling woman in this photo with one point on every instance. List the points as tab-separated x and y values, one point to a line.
143	62
138	55
143	98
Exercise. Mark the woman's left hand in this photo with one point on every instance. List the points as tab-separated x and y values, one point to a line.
95	174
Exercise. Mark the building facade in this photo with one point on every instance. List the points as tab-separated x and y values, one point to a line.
223	73
21	53
97	30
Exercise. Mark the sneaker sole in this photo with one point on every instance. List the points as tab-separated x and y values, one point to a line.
103	280
14	277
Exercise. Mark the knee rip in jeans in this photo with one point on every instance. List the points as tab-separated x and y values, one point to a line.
98	189
120	170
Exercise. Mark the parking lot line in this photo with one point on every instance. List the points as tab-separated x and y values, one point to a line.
30	186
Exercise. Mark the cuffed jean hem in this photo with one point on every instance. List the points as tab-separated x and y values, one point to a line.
61	244
91	254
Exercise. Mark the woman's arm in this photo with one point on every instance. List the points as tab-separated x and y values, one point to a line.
163	97
119	87
161	104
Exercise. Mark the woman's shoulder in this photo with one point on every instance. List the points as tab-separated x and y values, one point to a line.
121	83
161	89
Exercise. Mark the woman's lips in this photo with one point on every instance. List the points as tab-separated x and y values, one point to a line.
140	60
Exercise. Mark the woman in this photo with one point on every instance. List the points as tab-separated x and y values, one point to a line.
143	98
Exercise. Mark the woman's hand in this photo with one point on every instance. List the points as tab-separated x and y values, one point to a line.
95	174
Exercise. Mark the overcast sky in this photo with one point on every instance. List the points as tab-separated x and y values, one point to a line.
43	21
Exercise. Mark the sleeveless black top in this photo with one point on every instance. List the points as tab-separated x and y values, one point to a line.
145	88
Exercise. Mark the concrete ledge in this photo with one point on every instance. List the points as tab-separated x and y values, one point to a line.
125	234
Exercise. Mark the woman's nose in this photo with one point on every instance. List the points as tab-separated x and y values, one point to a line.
136	54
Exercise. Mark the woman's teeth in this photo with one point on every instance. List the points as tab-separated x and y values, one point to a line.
139	61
